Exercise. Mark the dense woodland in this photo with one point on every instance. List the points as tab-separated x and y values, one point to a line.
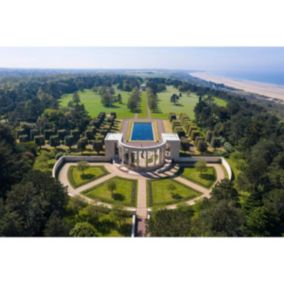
32	203
252	205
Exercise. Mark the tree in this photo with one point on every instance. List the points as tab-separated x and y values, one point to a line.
30	204
83	229
82	166
119	98
174	98
201	146
184	143
111	187
220	218
171	223
200	166
76	98
54	141
69	141
56	227
260	222
82	143
39	140
98	146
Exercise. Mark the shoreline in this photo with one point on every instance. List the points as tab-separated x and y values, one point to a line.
271	91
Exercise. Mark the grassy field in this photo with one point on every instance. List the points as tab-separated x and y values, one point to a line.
186	104
168	191
206	179
124	194
45	161
220	102
143	106
93	105
77	178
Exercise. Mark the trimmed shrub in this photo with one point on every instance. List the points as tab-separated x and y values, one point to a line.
191	129
48	133
69	140
202	146
180	131
39	140
172	116
54	141
194	134
82	143
209	135
75	133
62	133
184	143
89	134
98	146
24	138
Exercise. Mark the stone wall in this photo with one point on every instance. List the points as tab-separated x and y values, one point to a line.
73	159
209	159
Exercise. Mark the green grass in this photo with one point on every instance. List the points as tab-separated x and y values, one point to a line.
124	194
77	178
143	106
93	105
159	192
186	104
236	162
220	102
45	161
206	179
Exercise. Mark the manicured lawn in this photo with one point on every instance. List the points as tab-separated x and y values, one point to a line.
206	179
143	106
186	104
77	178
93	105
124	194
167	191
220	102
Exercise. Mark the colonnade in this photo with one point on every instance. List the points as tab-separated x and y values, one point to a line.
142	157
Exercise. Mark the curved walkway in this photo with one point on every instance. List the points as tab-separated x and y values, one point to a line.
141	209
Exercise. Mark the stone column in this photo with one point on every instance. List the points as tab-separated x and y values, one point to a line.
129	157
155	160
146	159
160	155
122	154
137	157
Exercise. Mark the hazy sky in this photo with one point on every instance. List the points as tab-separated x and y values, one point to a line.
208	59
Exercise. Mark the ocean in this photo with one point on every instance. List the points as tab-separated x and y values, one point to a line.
271	77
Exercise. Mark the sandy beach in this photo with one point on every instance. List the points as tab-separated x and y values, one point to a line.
264	89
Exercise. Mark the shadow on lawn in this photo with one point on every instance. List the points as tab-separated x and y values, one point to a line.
207	176
87	176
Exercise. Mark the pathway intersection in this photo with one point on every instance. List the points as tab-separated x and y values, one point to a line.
141	210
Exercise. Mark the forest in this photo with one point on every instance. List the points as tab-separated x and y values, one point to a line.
32	203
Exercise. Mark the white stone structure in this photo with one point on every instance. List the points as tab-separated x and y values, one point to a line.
143	157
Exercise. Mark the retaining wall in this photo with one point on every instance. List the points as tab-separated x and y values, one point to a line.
209	159
73	159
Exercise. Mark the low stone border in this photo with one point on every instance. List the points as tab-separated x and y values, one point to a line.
209	159
73	159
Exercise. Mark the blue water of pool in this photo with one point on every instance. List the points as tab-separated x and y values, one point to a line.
142	131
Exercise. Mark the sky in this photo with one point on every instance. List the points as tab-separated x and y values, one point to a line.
202	59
